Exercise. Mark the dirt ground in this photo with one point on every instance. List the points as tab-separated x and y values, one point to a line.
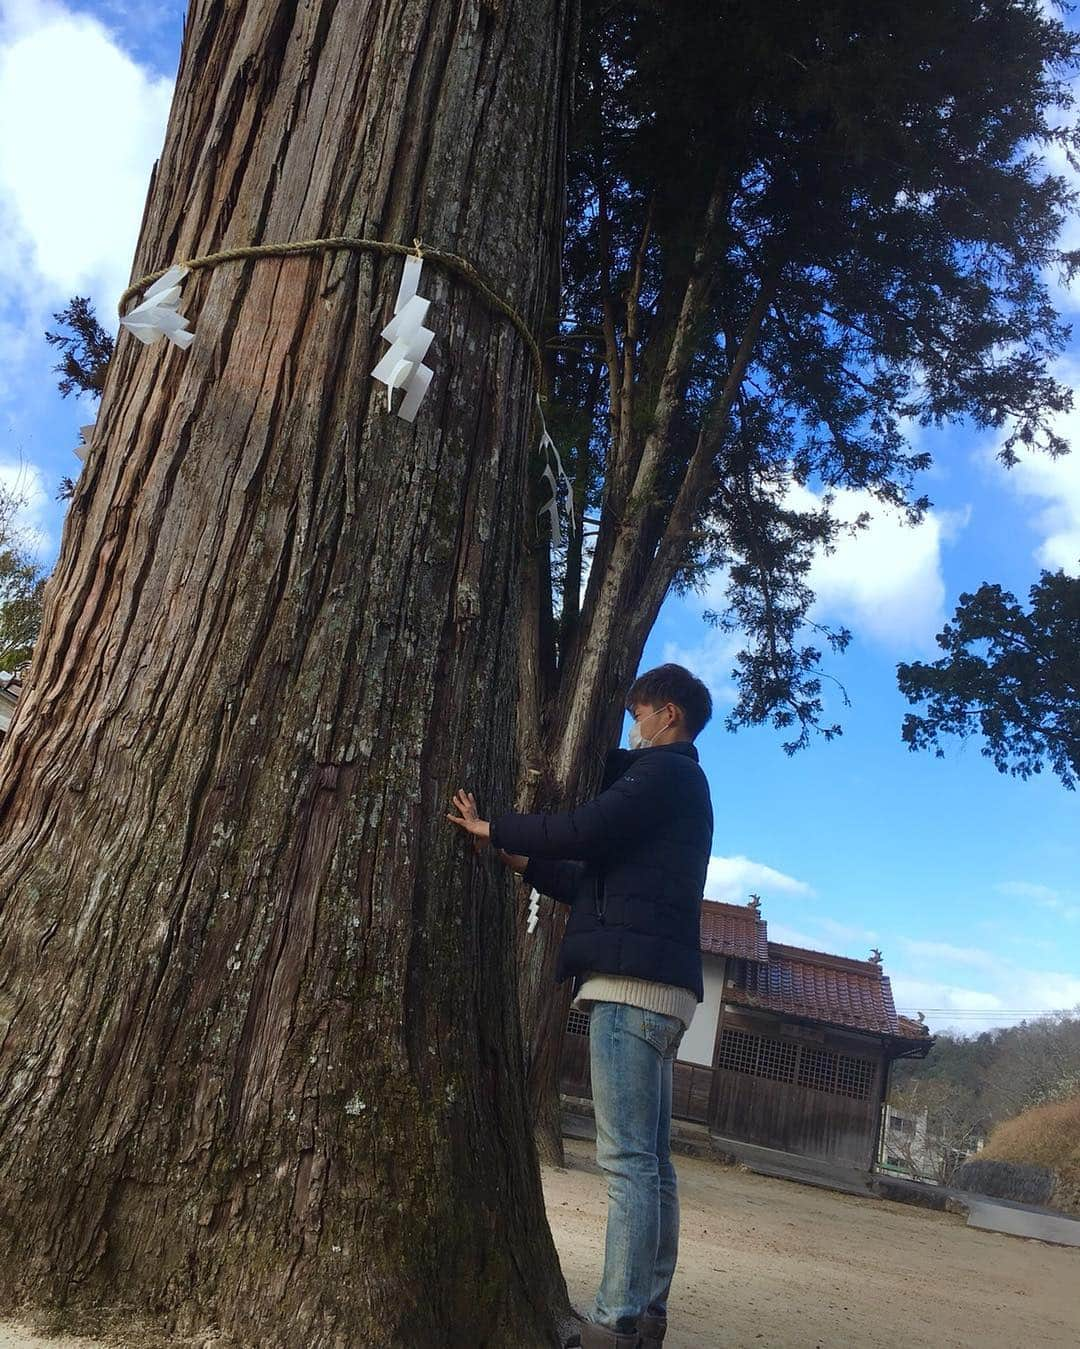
14	1336
768	1264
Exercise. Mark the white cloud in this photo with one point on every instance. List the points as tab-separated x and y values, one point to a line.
712	660
945	953
1023	995
849	933
83	124
1064	296
959	987
155	24
828	936
1043	895
1026	889
937	998
1053	485
884	581
1009	993
793	936
734	879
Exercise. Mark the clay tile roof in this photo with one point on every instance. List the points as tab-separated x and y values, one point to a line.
912	1029
733	930
833	989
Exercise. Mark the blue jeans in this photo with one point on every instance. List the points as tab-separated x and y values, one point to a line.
631	1053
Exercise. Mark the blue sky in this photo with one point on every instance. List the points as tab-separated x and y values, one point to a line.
965	879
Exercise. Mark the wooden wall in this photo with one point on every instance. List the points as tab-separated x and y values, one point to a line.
801	1089
574	1062
806	1090
691	1088
691	1083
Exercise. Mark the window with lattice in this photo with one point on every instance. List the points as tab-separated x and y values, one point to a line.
738	1051
817	1069
788	1061
854	1077
577	1023
758	1056
777	1060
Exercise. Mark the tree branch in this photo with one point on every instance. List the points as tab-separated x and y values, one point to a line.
700	472
676	369
633	316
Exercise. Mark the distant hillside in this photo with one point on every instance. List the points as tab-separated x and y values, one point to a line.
1047	1135
1001	1073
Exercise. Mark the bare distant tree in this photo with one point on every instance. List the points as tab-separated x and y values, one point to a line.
22	583
953	1128
1037	1064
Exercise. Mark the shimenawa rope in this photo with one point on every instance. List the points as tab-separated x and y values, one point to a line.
451	261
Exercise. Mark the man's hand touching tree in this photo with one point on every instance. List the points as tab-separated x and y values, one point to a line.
468	819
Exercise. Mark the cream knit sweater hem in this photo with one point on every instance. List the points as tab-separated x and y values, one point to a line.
667	999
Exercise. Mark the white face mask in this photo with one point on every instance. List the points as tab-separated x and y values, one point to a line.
636	739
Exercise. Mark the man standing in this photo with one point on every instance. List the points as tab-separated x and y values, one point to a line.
631	865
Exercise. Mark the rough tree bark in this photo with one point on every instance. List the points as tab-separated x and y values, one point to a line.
260	1062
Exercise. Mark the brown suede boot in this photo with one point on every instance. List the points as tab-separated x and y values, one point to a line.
651	1330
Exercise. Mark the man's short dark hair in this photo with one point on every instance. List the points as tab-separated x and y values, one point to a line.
673	684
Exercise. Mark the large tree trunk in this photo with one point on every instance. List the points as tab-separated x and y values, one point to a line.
260	1058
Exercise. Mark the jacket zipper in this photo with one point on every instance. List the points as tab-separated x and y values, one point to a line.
598	883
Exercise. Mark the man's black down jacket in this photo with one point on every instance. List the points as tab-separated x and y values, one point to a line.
630	863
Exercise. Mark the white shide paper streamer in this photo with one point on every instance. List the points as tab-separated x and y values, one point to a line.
551	507
155	316
87	433
403	365
534	910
